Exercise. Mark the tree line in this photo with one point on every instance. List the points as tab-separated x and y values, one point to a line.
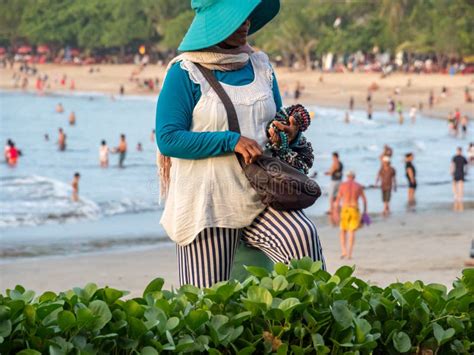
304	29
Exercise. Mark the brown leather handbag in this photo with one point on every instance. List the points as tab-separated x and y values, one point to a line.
278	184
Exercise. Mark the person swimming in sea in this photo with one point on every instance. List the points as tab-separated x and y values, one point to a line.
59	108
72	118
122	150
75	187
104	154
61	140
6	149
12	154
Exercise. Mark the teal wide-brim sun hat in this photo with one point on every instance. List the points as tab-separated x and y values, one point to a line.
215	20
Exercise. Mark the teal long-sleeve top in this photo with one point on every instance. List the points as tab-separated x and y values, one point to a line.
174	114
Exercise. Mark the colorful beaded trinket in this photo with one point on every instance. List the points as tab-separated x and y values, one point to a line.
299	153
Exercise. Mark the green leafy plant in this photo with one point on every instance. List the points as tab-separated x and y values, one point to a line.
296	309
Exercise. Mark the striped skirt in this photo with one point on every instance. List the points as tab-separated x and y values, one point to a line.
281	235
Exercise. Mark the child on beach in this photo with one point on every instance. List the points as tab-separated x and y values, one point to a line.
75	187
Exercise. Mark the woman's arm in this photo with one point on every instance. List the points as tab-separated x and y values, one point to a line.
174	114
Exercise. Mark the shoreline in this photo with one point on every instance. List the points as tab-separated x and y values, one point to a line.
394	246
321	89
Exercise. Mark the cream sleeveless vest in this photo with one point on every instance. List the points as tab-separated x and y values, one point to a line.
214	192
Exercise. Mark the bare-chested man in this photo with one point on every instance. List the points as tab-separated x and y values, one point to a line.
349	193
122	150
61	139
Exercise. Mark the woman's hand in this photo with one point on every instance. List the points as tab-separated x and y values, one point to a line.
291	130
249	149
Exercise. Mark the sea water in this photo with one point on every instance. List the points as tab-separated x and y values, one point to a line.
120	207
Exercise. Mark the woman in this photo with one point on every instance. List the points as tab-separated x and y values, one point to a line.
210	205
104	154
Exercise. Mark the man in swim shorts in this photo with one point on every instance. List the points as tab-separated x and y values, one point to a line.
349	193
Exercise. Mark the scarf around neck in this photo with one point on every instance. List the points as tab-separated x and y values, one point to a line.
213	58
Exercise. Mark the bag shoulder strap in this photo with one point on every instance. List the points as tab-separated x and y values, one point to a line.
229	106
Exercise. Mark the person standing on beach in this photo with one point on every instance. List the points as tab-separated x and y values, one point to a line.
464	123
369	111
298	89
413	113
211	208
451	124
458	172
72	118
400	112
431	99
104	154
410	172
335	172
61	140
351	103
122	150
350	218
75	187
457	121
391	105
387	178
470	153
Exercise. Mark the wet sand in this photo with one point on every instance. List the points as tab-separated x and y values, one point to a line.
431	246
329	89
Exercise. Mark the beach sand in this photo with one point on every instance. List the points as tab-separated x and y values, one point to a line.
431	246
328	89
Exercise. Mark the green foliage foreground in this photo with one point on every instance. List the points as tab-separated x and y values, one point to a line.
296	309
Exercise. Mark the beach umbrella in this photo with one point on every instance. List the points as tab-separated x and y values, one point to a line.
43	49
23	50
